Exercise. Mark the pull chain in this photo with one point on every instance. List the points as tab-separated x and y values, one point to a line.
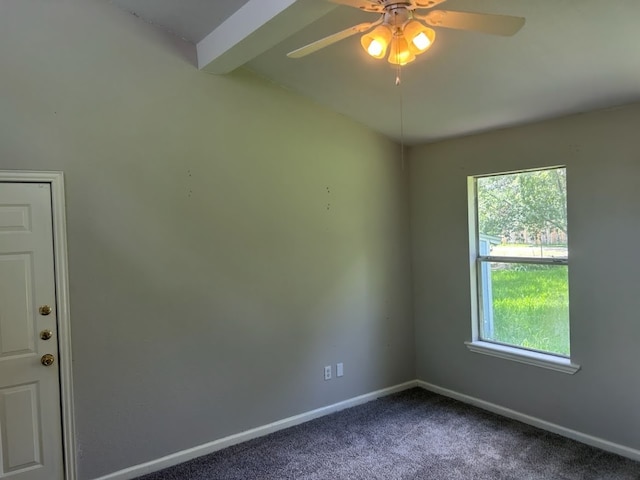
399	85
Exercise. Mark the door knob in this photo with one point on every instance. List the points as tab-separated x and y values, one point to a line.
44	310
46	334
47	360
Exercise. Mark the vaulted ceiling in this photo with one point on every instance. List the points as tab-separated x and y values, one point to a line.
571	56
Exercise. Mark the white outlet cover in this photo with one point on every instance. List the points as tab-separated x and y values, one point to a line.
327	372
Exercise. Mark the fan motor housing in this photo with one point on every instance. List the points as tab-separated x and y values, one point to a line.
393	3
397	15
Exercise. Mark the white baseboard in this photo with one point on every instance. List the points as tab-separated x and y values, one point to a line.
186	455
628	452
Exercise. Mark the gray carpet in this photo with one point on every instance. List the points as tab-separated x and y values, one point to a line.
411	435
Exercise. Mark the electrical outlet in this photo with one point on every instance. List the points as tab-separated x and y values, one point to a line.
327	372
339	369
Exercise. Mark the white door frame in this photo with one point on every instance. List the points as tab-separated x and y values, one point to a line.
56	180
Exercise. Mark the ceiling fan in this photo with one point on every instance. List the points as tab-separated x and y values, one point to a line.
402	28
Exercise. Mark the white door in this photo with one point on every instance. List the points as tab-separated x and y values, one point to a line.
30	418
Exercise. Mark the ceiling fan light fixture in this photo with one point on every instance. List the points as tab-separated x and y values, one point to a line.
376	42
400	53
400	23
420	36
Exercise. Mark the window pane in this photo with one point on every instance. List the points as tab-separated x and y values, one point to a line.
524	214
526	305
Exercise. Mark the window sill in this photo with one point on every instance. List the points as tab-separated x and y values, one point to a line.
537	359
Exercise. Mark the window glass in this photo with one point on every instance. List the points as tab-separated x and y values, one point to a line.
522	259
527	211
528	306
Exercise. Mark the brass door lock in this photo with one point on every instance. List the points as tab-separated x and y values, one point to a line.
46	334
45	310
47	360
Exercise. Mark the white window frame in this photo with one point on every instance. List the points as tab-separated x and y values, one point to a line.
476	260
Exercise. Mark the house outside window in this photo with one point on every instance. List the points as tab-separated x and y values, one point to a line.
519	266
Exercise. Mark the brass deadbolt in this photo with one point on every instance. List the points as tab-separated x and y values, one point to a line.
47	360
45	310
46	334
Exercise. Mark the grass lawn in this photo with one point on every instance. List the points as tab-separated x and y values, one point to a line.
531	306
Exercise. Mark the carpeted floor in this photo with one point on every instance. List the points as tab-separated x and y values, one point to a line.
410	435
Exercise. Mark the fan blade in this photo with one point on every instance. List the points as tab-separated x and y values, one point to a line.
424	4
331	39
478	22
366	5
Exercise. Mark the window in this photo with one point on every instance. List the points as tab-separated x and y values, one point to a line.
518	224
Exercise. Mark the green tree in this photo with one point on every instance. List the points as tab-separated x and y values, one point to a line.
534	201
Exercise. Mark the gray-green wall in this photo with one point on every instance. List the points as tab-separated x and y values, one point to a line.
227	239
602	153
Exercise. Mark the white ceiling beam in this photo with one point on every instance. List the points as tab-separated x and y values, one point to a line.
257	26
